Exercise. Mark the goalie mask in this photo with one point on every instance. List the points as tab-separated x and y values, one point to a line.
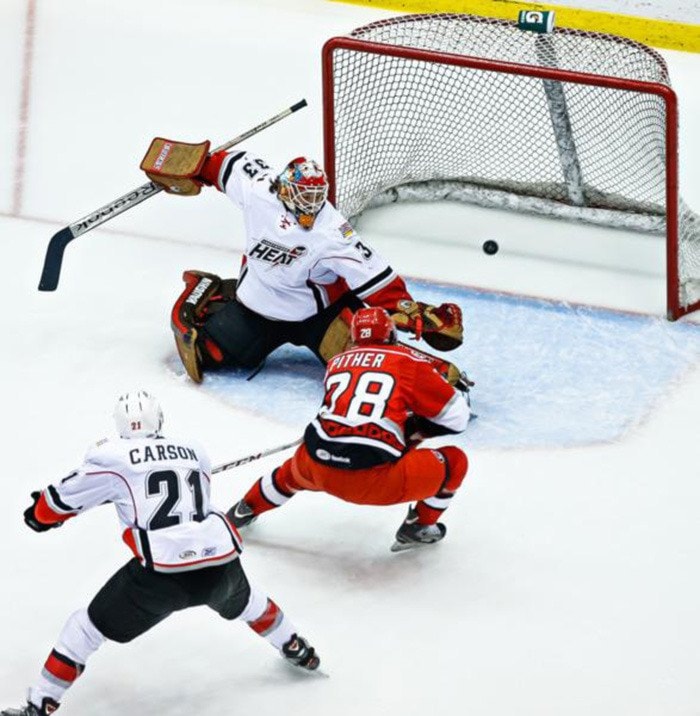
303	188
372	326
138	415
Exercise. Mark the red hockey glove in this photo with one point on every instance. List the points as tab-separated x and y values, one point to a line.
30	518
440	326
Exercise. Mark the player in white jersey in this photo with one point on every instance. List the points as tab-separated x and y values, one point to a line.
304	271
186	552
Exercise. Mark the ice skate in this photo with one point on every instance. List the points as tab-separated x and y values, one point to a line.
412	534
241	514
48	707
299	652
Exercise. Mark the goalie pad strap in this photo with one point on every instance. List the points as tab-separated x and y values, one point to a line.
188	310
175	165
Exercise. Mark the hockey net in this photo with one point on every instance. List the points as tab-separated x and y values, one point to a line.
573	124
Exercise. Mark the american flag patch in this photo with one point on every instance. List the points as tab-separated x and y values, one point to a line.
346	230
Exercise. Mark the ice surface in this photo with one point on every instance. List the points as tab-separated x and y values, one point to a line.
568	582
571	375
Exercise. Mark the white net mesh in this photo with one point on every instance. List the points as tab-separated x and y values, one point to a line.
424	130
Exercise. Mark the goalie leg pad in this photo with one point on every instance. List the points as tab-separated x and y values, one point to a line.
337	336
188	315
189	354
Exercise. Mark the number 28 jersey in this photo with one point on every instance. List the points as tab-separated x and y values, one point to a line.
161	491
371	391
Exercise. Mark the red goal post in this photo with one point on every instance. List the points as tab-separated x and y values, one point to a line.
573	124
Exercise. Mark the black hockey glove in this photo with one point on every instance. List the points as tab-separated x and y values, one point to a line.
419	428
30	517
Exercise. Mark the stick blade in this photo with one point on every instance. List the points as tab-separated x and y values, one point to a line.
54	258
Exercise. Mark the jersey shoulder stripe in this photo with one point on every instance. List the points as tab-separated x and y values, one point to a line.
228	168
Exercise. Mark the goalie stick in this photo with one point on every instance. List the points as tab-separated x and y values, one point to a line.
54	253
251	458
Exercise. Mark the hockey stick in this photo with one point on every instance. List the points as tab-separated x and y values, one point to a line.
54	253
252	458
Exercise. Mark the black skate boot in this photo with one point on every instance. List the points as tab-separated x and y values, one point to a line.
412	534
48	706
299	652
241	514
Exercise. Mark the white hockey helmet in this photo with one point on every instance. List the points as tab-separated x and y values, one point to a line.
138	415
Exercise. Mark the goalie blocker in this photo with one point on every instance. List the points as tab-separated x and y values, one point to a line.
174	165
208	337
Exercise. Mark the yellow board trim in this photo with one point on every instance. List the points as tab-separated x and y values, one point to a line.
657	33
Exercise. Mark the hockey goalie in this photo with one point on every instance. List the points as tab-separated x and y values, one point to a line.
304	270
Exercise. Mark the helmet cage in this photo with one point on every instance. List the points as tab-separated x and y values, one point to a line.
303	189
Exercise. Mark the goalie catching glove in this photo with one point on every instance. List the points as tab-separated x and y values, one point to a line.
440	326
175	165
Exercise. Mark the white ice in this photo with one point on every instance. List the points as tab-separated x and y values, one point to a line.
568	583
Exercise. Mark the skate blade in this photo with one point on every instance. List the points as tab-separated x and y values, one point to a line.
406	546
309	673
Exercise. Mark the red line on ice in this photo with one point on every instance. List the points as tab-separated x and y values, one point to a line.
23	119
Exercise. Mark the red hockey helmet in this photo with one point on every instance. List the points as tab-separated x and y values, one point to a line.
303	188
372	325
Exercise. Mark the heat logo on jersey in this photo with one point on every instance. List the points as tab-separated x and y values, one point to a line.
276	254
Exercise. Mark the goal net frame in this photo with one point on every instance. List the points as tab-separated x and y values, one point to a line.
675	307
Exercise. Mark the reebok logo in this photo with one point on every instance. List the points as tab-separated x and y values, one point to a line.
198	290
160	159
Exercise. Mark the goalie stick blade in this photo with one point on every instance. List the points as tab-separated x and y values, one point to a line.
54	259
308	674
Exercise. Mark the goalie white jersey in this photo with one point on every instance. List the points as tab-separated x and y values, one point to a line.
288	271
161	491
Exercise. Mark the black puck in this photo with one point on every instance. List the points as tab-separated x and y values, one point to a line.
490	247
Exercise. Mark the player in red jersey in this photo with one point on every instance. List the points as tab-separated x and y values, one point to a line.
381	401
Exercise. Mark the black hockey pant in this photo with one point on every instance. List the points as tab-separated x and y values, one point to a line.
135	599
246	338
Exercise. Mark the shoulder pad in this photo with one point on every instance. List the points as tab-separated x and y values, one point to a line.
97	451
